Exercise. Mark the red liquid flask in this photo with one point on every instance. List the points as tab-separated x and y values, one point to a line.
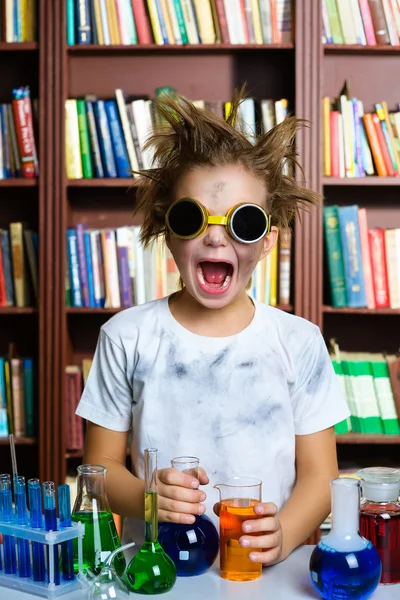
380	517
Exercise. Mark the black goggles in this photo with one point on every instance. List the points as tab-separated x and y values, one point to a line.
246	222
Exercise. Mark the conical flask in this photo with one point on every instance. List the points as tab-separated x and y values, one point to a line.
193	548
93	510
151	571
344	565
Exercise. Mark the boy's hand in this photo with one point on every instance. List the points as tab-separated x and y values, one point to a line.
179	498
269	535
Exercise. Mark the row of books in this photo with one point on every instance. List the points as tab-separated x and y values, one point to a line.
105	138
18	155
109	268
362	22
358	144
18	266
371	385
363	264
17	406
18	21
75	378
126	22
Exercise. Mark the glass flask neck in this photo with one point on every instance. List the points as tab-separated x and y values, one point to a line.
150	495
345	493
91	488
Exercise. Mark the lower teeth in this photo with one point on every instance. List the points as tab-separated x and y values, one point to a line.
204	282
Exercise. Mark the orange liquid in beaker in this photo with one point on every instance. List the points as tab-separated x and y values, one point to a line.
234	560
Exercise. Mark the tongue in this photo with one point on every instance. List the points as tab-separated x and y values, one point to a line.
215	272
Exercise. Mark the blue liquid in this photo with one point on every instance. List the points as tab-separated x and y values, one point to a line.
50	518
193	548
38	566
10	555
345	575
24	558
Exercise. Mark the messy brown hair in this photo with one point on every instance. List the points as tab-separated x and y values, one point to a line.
192	137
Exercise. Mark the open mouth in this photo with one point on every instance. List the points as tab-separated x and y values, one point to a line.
214	276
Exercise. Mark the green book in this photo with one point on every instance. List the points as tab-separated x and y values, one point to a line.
334	20
384	394
334	255
84	139
345	425
350	396
365	396
181	21
29	397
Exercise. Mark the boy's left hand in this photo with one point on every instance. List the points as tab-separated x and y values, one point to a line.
269	534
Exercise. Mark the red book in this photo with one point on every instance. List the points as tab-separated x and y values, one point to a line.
141	22
382	144
23	130
376	239
220	8
335	163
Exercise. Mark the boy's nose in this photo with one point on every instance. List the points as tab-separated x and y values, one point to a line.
216	235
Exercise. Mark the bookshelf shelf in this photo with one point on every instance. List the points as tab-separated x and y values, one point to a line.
18	182
357	49
14	310
361	311
74	454
21	441
18	46
364	438
166	48
114	182
350	181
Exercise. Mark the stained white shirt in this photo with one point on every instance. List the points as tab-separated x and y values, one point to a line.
235	402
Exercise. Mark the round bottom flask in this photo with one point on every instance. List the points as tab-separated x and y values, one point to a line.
193	548
344	565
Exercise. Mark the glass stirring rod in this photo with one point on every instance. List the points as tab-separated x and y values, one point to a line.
64	513
50	520
21	513
36	522
10	556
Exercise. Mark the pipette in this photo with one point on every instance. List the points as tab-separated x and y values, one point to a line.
64	513
24	559
50	519
36	521
10	557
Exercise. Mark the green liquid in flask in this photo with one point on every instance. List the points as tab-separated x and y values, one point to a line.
101	538
151	570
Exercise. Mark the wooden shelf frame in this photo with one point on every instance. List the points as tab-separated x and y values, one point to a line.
18	182
18	46
360	311
370	180
169	48
366	438
358	49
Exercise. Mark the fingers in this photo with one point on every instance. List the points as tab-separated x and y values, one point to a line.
265	558
174	517
174	477
181	507
269	524
267	508
271	540
174	492
203	478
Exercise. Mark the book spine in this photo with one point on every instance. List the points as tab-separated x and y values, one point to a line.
82	264
142	23
353	267
24	138
367	21
89	266
366	258
86	158
391	264
284	266
73	260
7	265
335	258
117	140
83	24
29	397
104	137
94	140
376	240
379	22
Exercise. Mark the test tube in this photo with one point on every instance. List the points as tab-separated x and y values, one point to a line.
64	513
35	508
50	520
7	516
21	513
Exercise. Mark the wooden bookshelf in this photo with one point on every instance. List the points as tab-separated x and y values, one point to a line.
361	311
18	46
18	182
19	441
187	49
115	182
360	181
361	50
15	310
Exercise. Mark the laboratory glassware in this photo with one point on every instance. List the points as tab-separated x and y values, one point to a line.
35	518
238	497
193	548
21	518
50	521
344	565
7	515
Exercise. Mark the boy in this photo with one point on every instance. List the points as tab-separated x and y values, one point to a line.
208	371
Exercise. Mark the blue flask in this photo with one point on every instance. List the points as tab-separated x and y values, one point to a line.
193	548
344	565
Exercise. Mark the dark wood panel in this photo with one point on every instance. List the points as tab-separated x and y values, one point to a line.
362	438
16	70
363	332
346	49
19	205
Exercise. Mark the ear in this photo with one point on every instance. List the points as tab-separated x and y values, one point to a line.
269	242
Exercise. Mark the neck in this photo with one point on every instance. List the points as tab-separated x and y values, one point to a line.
212	322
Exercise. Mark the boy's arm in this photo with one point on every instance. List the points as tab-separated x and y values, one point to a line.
310	501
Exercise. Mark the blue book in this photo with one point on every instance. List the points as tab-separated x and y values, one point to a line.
351	247
83	23
6	141
104	136
73	262
94	140
29	397
161	20
70	23
7	267
89	268
117	139
3	402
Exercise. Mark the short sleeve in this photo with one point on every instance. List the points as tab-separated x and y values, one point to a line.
107	396
317	400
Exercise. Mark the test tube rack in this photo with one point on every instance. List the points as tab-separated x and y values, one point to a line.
48	538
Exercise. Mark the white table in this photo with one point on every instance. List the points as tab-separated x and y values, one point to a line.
289	580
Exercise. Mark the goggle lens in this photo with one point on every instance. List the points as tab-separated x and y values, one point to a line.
249	223
185	218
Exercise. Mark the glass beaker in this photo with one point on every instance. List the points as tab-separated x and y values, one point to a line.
344	565
151	570
93	510
380	517
238	496
193	548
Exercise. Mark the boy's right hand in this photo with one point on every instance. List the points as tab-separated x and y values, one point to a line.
179	499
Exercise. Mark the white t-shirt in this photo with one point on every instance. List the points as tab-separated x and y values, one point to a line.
235	402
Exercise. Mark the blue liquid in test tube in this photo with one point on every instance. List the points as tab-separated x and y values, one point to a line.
64	513
35	509
50	519
24	557
7	516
